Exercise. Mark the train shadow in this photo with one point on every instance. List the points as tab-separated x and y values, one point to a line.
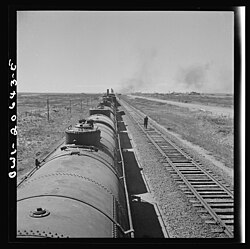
145	220
135	182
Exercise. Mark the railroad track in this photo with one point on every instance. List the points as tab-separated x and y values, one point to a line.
213	198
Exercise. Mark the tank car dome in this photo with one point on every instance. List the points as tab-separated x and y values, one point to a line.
84	133
105	110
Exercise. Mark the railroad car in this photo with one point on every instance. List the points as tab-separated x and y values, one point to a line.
79	190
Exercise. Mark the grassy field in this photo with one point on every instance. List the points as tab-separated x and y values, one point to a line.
38	133
214	133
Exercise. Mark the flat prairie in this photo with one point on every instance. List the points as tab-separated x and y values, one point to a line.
211	129
42	120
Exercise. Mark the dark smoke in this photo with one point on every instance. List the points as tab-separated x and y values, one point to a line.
194	76
143	76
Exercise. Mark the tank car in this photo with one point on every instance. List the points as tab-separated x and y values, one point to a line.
78	191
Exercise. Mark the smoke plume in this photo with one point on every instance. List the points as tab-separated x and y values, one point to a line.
194	76
143	76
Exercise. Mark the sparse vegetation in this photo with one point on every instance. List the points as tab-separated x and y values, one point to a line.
37	136
225	100
213	133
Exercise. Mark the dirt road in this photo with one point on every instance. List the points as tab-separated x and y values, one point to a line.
215	110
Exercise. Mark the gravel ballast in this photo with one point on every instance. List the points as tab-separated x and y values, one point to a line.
180	217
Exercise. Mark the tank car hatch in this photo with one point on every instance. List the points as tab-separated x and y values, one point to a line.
83	133
105	110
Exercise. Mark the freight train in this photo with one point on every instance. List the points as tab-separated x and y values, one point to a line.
80	190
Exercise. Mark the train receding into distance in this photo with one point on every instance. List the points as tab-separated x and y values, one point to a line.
79	191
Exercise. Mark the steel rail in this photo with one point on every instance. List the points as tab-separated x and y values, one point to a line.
194	191
229	192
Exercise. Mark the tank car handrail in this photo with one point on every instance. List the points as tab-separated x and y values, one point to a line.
87	203
88	147
105	162
32	171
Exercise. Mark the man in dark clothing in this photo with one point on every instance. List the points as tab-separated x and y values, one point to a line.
37	163
146	122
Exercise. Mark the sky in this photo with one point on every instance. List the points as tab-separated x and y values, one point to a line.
129	51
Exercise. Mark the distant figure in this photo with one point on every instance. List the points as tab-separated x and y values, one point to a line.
146	122
37	163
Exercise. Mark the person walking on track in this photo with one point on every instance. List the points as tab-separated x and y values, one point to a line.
146	122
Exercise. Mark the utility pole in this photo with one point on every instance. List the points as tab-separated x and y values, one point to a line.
48	108
70	106
81	105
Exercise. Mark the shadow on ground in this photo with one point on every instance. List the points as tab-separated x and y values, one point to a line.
145	221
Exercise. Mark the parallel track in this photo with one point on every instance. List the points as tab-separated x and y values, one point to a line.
203	188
